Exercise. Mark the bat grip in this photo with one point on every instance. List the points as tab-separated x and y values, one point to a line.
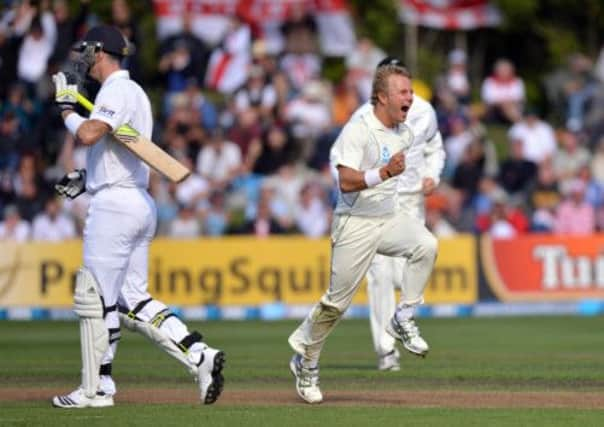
84	102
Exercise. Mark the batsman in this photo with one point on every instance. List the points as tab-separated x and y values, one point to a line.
120	224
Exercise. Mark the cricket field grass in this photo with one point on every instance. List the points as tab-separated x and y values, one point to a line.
541	371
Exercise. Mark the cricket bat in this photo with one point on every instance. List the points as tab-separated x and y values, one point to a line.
145	149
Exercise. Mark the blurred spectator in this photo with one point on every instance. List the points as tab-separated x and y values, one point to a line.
246	131
121	17
574	215
479	130
503	219
264	222
537	136
9	44
597	162
503	93
300	68
361	63
309	116
313	217
299	30
36	48
69	29
470	170
177	66
185	225
570	157
216	218
22	106
456	76
10	141
275	150
52	225
13	227
257	93
194	190
517	173
345	101
219	161
456	143
196	54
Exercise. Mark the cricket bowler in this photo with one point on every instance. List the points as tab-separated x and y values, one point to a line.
368	154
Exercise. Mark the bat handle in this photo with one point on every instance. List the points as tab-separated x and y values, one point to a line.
84	102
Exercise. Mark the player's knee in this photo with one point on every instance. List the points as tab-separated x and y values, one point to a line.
429	246
87	302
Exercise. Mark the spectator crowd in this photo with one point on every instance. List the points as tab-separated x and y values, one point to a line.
255	119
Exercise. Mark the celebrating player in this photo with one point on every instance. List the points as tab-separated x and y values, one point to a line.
368	153
119	227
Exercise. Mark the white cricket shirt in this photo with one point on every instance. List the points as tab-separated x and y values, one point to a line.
367	144
119	101
426	156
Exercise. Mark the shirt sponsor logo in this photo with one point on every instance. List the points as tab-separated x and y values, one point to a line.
106	111
385	154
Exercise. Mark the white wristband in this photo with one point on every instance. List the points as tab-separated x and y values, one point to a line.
372	177
73	122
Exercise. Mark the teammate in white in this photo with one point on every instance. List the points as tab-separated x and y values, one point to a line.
424	164
367	154
119	228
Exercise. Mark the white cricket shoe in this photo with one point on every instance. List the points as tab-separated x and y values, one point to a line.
209	375
407	333
307	380
77	400
389	361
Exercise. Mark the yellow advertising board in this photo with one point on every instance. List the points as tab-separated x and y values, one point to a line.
227	271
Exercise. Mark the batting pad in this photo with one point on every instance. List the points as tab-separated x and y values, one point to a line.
159	338
94	337
94	341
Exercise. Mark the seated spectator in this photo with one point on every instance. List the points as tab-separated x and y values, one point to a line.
503	219
574	215
537	136
219	161
52	225
503	93
264	223
216	218
469	172
361	63
456	143
313	217
570	157
257	93
275	150
247	130
597	162
13	228
456	77
516	173
344	102
186	225
194	190
300	68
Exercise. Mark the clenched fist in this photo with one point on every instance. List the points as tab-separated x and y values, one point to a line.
396	164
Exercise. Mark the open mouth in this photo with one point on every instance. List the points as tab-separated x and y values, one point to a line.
405	108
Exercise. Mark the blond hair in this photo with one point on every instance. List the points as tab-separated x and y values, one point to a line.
380	79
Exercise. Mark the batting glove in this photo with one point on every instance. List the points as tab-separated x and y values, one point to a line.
73	184
65	94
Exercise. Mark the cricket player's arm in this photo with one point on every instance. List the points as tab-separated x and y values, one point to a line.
91	130
352	180
434	151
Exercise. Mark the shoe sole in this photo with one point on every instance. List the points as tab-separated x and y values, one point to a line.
292	369
217	384
390	330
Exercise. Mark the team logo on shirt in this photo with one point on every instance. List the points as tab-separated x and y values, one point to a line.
105	111
385	154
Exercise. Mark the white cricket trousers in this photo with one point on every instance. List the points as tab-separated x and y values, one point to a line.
386	274
119	228
355	241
